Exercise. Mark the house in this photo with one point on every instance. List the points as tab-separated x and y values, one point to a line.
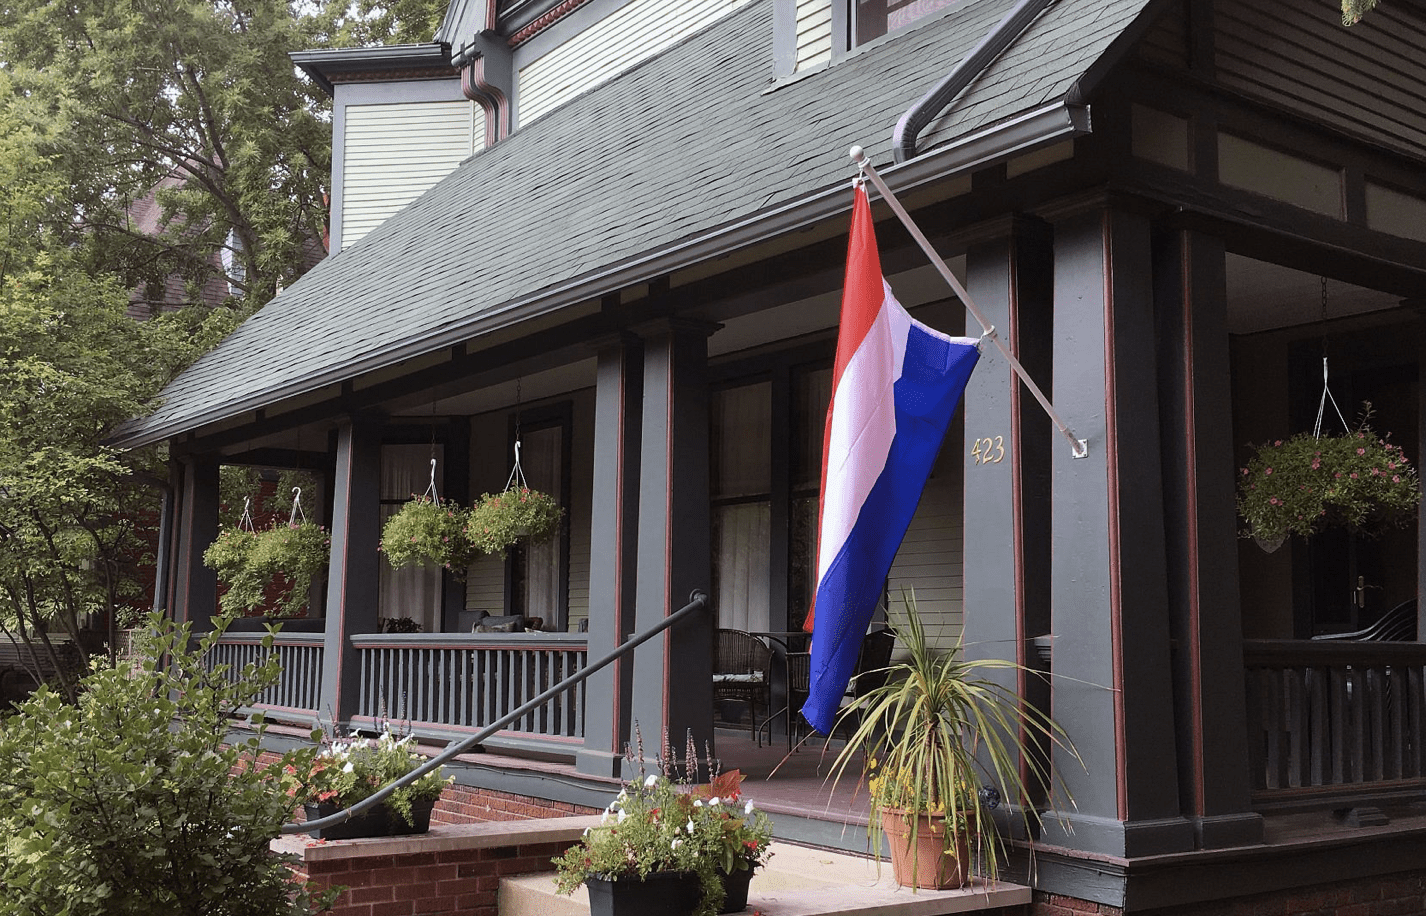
624	242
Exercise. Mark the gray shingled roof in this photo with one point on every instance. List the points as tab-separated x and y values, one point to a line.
688	142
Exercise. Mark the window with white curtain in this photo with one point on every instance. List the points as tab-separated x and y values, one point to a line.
741	484
412	591
811	391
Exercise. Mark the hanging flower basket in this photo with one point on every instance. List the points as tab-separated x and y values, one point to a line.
273	567
426	532
497	522
1303	485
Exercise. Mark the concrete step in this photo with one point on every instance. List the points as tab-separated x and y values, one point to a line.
798	881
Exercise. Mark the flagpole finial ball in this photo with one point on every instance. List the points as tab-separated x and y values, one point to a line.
857	153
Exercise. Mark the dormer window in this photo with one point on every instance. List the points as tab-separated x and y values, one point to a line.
811	33
875	18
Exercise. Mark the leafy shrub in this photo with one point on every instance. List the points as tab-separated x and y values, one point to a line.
137	800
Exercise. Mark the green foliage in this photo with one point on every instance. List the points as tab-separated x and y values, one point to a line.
277	564
1354	10
75	512
386	22
1304	484
137	800
351	769
936	730
195	101
498	522
426	533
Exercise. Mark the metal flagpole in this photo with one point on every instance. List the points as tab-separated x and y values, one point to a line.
1079	447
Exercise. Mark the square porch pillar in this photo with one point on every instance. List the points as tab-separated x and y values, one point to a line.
1006	553
1112	667
195	597
673	674
352	596
1191	301
613	550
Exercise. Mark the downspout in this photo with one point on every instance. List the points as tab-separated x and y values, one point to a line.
903	139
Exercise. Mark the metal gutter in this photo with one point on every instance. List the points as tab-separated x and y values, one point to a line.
1028	131
903	138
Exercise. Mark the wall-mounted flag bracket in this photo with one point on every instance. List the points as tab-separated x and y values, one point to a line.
1079	448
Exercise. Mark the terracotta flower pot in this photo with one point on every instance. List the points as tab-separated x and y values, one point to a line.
918	851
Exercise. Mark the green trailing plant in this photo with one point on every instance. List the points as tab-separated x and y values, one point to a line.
498	521
659	823
272	568
1354	10
940	737
1302	485
348	770
140	798
426	532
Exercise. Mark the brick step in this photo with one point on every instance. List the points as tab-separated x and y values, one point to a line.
798	881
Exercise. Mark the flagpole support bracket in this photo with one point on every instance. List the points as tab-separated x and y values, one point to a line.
1080	448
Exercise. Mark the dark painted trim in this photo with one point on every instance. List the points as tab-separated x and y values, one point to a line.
326	66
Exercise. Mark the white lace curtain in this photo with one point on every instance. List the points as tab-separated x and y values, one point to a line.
412	591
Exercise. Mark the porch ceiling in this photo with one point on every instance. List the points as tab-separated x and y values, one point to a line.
1264	297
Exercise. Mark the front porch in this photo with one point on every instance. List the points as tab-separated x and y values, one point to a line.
1331	724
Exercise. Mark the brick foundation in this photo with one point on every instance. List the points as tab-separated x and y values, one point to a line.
452	869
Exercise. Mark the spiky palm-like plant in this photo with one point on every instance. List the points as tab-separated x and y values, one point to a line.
939	729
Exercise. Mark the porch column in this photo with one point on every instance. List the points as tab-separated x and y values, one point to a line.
673	675
1006	555
1112	680
455	486
1191	300
196	586
613	554
352	573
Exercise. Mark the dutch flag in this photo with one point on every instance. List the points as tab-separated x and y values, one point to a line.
895	385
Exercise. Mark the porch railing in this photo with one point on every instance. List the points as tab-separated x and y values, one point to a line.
1334	715
456	683
298	690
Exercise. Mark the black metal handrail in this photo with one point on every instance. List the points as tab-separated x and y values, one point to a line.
697	601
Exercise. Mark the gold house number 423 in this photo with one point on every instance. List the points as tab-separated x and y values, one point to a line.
990	450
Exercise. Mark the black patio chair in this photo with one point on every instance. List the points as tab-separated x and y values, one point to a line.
742	670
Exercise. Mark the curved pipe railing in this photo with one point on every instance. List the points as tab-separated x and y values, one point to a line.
698	601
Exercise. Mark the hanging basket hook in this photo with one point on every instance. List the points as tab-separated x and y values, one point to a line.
296	508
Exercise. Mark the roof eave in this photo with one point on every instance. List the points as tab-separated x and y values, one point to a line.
1048	124
326	65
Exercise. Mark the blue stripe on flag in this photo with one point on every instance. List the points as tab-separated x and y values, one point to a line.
934	375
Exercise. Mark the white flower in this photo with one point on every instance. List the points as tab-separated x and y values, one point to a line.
622	815
748	808
348	768
651	781
715	801
676	843
690	825
698	803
